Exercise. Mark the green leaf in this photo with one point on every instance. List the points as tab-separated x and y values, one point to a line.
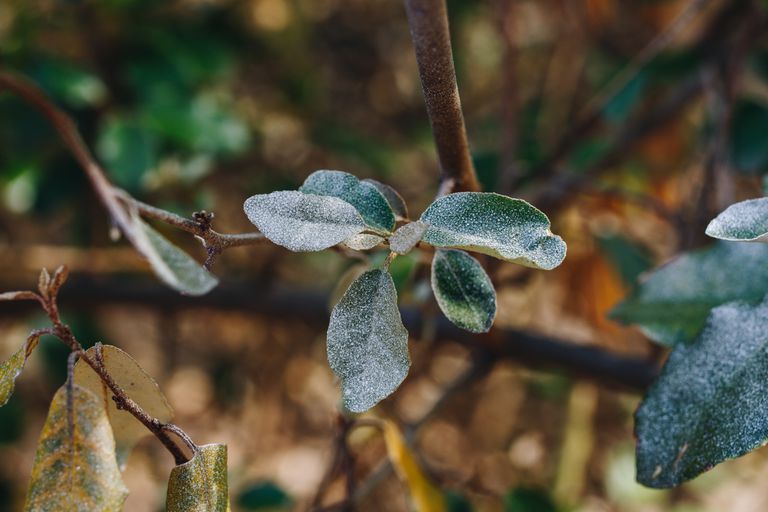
708	405
463	290
367	342
393	197
128	150
364	196
407	236
502	227
137	384
172	266
746	221
200	485
303	222
12	367
671	303
363	241
264	495
77	470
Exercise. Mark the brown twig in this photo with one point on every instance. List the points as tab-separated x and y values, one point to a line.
428	20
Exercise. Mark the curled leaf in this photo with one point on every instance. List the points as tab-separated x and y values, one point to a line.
12	367
364	196
172	265
200	485
76	470
137	384
303	222
367	342
746	221
493	224
407	236
463	290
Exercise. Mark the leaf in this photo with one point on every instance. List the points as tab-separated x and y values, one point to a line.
393	197
709	403
303	222
138	385
21	295
12	367
426	497
407	236
463	290
263	495
128	149
746	221
172	266
502	227
367	342
347	278
671	303
364	196
200	485
363	241
76	472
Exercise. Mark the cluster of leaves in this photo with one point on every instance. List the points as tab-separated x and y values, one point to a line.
367	342
710	305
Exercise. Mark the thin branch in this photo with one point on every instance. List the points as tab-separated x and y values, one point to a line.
428	20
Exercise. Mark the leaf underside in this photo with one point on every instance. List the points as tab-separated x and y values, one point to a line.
671	303
407	236
502	227
746	221
709	403
364	196
11	368
76	472
463	290
303	222
367	342
200	485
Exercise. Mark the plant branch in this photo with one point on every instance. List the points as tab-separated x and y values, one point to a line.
428	20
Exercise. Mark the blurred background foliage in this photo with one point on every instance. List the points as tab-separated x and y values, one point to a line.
629	122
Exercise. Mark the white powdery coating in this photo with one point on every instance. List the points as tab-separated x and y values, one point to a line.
746	221
709	403
303	222
173	266
493	224
367	342
363	241
407	236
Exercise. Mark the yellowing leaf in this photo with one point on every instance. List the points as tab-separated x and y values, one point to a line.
425	496
200	485
11	369
76	470
137	384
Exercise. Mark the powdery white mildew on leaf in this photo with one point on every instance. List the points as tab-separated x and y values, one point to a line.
671	303
393	197
77	472
500	226
11	368
363	241
173	266
364	196
200	485
303	222
137	384
708	405
407	236
463	290
746	221
367	342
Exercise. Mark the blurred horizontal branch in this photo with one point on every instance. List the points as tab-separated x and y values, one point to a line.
531	349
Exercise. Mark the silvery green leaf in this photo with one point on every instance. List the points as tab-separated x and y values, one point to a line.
200	485
671	303
367	342
502	227
364	196
407	236
172	265
463	290
746	221
708	405
393	197
303	222
363	241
